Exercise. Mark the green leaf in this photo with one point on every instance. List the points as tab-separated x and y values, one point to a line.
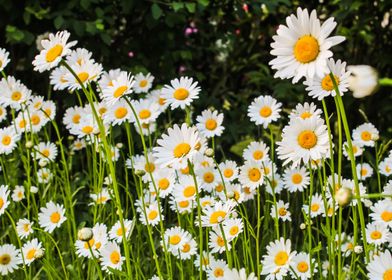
191	7
204	2
13	34
177	6
240	147
58	22
106	38
156	11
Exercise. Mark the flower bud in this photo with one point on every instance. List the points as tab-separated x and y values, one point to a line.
358	249
140	172
119	145
29	144
33	189
343	196
85	234
39	253
302	226
209	152
363	80
43	163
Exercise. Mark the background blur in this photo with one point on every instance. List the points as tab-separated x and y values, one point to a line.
223	44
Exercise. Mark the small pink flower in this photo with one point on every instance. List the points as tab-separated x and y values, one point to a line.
131	54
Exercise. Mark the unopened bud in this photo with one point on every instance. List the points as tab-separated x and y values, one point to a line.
85	234
29	144
302	226
140	172
71	137
43	163
375	136
209	152
119	145
358	249
39	253
343	196
33	189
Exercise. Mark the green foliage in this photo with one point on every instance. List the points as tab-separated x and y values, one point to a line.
228	54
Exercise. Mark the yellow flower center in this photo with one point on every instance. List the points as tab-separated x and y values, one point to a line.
150	167
35	119
219	188
217	216
386	216
327	84
76	118
55	217
254	174
303	267
218	272
296	178
120	112
162	101
45	152
54	53
181	94
143	83
257	155
228	173
306	115
174	239
265	112
220	241
376	235
16	95
6	140
186	248
282	211
48	111
30	254
144	114
87	129
181	150
366	136
387	274
234	230
163	184
1	203
307	139
5	259
152	215
185	170
115	257
363	172
211	124
315	207
208	177
83	76
306	49
189	191
281	258
102	111
183	204
119	232
119	91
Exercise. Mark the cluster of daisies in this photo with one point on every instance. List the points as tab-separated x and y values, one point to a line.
178	175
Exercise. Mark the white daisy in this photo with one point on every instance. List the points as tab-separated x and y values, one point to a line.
305	111
121	84
296	179
181	92
365	134
111	257
215	214
356	147
143	83
4	202
209	123
280	211
30	249
58	78
382	212
51	216
251	174
18	193
102	197
4	60
380	268
14	93
9	259
146	111
118	113
264	110
217	242
256	151
378	234
364	171
229	170
95	244
8	140
302	266
86	73
116	231
385	167
302	47
316	207
24	228
54	49
217	269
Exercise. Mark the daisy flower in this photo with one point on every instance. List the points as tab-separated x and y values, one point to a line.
72	116
139	162
143	83
51	216
14	93
118	86
278	259
234	274
4	60
179	145
49	109
54	49
320	87
58	78
183	206
189	249
264	110
378	234
45	151
185	189
4	202
301	266
229	170
102	197
3	113
24	228
234	192
146	111
181	92
209	123
151	215
385	167
357	149
9	259
175	238
116	233
157	97
111	257
8	139
274	185
29	250
382	212
208	177
164	180
364	171
296	179
118	113
302	141
86	73
217	213
256	151
44	175
365	134
217	269
18	194
95	244
232	228
79	56
316	207
251	174
302	46
205	259
305	111
381	266
280	211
